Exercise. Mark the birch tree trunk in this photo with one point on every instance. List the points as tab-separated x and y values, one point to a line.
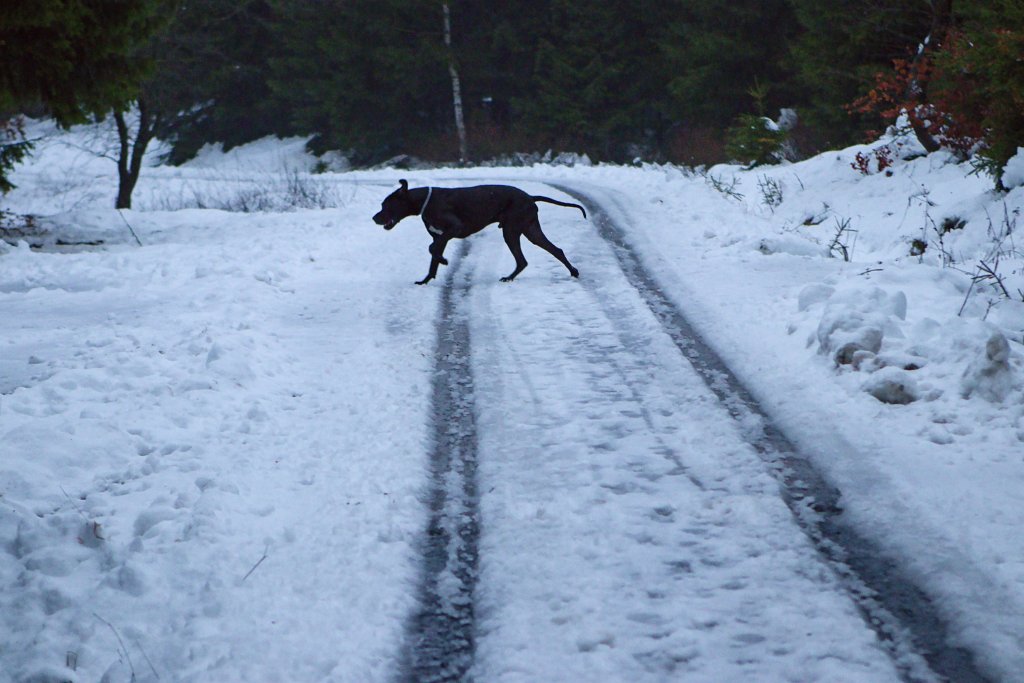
460	124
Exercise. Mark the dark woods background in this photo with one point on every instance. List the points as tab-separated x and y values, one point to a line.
660	80
616	79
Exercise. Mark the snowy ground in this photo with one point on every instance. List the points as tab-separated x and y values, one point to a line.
213	448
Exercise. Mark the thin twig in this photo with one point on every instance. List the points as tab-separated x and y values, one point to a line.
966	297
124	649
137	240
258	563
991	274
148	660
83	148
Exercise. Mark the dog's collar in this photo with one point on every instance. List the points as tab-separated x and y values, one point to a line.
430	190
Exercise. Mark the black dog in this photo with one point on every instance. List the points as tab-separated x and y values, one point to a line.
460	212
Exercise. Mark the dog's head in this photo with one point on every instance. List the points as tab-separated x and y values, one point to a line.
395	207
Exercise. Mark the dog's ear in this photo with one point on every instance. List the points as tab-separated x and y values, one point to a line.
405	184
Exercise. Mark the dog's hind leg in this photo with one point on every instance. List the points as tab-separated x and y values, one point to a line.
537	236
511	236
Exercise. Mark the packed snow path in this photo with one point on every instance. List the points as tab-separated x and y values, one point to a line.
624	496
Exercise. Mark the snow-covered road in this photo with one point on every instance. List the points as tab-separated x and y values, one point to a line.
239	453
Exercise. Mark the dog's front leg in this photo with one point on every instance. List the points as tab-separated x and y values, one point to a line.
433	245
436	258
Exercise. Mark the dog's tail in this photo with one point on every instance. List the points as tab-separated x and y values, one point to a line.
549	200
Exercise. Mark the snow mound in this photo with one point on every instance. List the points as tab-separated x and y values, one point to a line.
865	329
855	322
990	375
1013	172
892	385
267	154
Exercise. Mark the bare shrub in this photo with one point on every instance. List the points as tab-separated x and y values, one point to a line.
728	189
288	190
771	191
843	240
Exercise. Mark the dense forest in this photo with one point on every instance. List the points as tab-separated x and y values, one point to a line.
686	81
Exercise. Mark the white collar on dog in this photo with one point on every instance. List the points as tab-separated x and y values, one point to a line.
430	190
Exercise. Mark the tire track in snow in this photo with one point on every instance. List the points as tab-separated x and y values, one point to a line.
901	613
441	642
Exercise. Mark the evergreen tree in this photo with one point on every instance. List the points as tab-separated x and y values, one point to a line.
73	57
13	148
841	48
599	80
986	61
366	76
717	50
216	56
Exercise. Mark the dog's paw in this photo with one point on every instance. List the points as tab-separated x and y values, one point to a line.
424	281
574	272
